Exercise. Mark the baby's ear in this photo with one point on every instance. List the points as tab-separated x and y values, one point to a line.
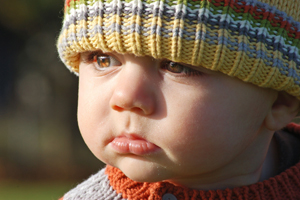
283	110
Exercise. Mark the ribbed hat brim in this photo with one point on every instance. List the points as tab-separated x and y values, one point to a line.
253	41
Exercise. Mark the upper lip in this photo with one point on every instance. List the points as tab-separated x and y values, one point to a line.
132	136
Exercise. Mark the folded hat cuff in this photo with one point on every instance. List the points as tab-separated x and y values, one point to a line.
247	39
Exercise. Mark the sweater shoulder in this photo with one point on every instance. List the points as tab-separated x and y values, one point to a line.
96	187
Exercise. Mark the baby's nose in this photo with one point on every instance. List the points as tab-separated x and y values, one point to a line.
134	90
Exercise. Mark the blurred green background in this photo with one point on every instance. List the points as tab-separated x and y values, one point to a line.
42	154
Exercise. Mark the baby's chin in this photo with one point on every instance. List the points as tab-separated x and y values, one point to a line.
144	176
145	173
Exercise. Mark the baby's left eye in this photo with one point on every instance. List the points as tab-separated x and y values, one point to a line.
178	68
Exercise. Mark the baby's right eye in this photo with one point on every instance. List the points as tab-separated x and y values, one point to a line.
103	61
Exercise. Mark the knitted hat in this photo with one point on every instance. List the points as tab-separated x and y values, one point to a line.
255	41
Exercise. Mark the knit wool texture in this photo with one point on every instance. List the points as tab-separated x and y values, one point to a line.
112	184
255	41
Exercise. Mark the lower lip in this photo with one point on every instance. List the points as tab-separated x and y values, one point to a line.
125	145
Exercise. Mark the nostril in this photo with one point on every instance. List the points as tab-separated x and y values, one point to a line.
117	108
137	110
133	109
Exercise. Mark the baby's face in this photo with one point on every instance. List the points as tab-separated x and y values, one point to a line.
158	120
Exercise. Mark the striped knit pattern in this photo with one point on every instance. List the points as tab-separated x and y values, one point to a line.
255	41
112	184
94	188
282	187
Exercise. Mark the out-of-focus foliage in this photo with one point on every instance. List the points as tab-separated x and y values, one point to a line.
33	190
23	14
39	137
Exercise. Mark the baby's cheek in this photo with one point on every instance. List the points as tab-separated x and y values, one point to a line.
201	139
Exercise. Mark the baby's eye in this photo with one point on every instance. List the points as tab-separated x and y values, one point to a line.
105	61
173	67
178	68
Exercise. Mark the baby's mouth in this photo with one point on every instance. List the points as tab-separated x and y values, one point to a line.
132	144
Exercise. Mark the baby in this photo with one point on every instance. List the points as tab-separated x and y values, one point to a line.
187	99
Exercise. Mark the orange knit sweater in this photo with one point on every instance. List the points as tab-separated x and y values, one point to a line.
111	183
285	186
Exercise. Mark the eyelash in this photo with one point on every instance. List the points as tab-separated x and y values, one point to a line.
186	71
165	65
93	56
